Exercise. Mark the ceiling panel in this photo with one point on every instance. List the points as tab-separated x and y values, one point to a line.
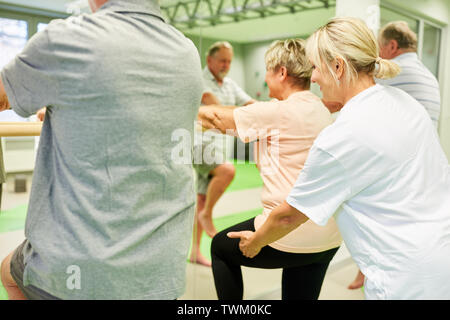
241	21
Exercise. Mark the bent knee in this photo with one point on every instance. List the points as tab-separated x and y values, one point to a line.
6	277
226	170
218	242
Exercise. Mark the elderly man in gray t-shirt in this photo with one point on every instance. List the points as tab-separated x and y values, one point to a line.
110	213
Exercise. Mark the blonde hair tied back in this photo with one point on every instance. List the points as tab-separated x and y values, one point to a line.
387	69
350	40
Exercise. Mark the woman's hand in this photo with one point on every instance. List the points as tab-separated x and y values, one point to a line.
248	247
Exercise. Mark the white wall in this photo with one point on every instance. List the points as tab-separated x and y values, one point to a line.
435	10
255	70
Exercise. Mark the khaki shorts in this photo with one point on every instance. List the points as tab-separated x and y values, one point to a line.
204	177
17	268
203	170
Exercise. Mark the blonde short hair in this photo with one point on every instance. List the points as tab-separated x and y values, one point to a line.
400	32
350	40
217	46
290	54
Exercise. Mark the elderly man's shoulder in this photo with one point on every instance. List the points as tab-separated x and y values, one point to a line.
230	83
71	28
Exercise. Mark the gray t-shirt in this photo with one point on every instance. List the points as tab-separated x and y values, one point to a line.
110	213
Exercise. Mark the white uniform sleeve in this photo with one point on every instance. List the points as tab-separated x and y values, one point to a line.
321	187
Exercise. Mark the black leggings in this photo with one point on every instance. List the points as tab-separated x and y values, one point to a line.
302	277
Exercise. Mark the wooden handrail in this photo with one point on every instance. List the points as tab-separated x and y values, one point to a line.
20	129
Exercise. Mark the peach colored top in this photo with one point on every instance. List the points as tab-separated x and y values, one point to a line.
285	131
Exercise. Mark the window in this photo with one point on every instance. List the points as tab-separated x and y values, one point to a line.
15	30
13	37
41	26
430	47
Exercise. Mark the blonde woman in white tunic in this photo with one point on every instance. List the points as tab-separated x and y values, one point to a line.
378	169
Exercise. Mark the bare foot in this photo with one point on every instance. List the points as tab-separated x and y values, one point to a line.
205	219
199	259
358	282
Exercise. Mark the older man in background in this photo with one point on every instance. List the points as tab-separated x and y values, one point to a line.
399	43
110	213
214	175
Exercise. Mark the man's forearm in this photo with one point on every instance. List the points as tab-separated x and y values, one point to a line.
4	102
281	221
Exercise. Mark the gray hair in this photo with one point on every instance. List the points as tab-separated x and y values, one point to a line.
217	46
400	32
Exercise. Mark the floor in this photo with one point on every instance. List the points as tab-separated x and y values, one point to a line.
200	285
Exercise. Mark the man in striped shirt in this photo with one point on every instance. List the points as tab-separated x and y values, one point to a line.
399	43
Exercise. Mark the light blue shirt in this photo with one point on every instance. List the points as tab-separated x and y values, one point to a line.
415	79
107	197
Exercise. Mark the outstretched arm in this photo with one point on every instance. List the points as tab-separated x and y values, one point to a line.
217	117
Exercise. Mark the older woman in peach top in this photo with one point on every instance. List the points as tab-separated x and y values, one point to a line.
285	129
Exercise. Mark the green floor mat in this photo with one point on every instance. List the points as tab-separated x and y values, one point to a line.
13	219
3	294
247	177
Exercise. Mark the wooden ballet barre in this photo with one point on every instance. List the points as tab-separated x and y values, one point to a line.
20	129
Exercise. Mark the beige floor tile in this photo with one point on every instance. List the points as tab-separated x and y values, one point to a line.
199	283
335	284
10	241
261	284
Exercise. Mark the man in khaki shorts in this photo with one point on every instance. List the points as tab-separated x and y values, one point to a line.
214	173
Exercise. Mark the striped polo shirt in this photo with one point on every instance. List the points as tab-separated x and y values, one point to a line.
415	79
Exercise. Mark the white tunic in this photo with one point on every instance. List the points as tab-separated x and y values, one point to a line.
381	169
